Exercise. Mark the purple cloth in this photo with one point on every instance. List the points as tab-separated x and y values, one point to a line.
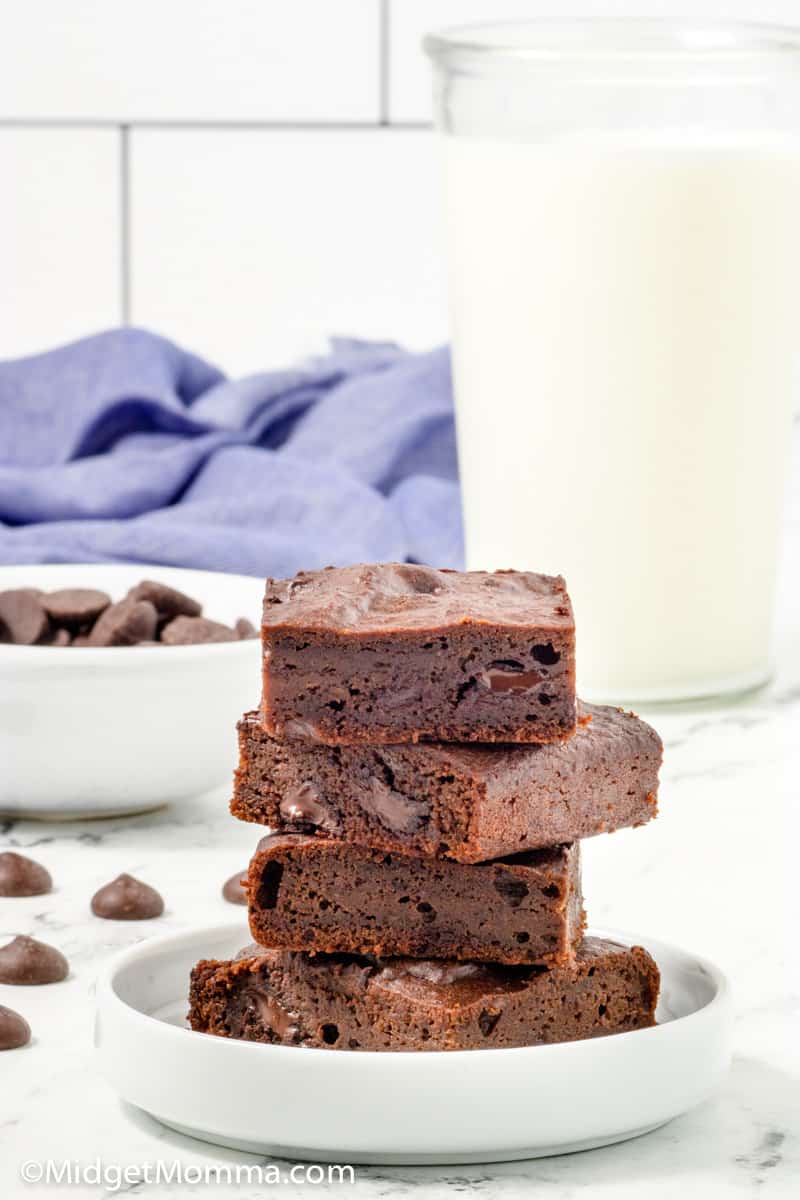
123	447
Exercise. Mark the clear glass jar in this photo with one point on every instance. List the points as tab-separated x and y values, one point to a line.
623	226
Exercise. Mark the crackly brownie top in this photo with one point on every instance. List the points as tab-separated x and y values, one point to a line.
547	857
386	597
437	983
612	733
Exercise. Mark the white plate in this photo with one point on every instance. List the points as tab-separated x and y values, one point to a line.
93	732
433	1107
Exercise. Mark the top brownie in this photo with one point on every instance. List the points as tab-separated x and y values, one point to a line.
397	652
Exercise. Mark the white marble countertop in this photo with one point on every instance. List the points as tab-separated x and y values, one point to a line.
712	874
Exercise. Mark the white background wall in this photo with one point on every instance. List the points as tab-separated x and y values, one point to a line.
246	176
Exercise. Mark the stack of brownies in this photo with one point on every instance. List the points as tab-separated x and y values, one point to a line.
427	773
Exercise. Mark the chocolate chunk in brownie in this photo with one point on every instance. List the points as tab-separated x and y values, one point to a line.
397	652
316	893
360	1003
469	803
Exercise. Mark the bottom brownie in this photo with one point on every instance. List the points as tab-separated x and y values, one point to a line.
356	1003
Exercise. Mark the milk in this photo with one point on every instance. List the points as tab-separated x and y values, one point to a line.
625	322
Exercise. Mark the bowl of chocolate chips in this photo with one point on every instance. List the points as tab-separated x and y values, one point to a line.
120	685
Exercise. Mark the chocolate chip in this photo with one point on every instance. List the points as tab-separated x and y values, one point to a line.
393	809
487	1021
168	602
21	876
14	1029
125	624
512	890
279	1020
443	974
190	631
302	730
127	899
23	619
233	890
57	637
423	580
245	629
75	606
26	961
301	807
507	675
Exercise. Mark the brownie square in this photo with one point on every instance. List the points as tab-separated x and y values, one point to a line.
397	652
357	1003
468	803
322	895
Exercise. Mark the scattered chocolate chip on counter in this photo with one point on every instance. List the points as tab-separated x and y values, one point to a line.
14	1029
127	899
233	889
151	614
25	961
21	876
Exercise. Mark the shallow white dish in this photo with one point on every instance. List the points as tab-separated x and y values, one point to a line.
99	732
351	1107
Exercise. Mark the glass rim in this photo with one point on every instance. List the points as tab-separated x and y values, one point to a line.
546	40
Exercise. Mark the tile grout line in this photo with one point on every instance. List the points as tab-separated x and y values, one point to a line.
204	125
384	23
125	223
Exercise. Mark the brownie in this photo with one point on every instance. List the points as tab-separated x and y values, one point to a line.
360	1003
396	652
319	894
468	803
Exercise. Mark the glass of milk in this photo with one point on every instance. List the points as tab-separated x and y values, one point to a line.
623	219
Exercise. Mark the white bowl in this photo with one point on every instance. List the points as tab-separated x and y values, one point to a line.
356	1106
95	732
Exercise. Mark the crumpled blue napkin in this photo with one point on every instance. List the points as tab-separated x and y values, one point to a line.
125	447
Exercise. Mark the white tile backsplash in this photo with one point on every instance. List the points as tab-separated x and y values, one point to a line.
269	204
59	236
410	20
190	60
253	246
